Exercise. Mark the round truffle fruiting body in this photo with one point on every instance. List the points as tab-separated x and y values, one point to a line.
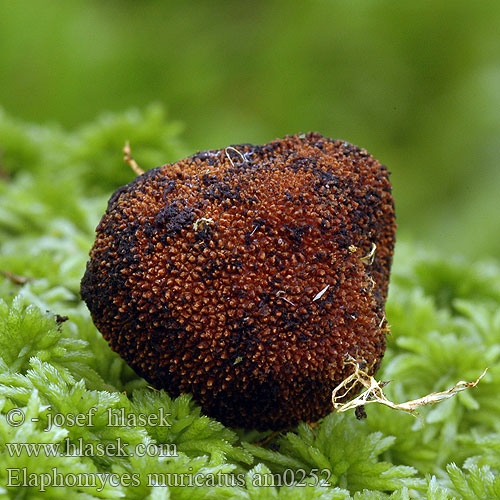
248	275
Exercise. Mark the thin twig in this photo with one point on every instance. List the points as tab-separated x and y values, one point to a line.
15	278
127	158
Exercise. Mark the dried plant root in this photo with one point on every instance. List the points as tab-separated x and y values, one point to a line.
375	394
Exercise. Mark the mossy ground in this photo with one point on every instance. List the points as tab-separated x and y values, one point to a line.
445	326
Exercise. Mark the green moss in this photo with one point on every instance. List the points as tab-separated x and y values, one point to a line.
445	321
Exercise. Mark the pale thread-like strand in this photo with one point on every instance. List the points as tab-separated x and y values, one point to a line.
375	394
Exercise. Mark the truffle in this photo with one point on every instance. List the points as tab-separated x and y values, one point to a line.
248	275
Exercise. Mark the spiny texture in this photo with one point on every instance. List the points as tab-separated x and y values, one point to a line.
248	275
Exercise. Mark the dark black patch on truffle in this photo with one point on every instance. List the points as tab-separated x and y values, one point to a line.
169	187
220	191
209	179
116	195
327	179
209	157
204	234
296	233
172	218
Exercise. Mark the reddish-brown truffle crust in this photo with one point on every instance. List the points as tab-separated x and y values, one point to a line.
206	276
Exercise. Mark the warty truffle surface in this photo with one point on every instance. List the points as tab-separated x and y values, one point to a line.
248	275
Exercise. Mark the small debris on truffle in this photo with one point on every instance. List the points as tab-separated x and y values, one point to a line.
248	275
